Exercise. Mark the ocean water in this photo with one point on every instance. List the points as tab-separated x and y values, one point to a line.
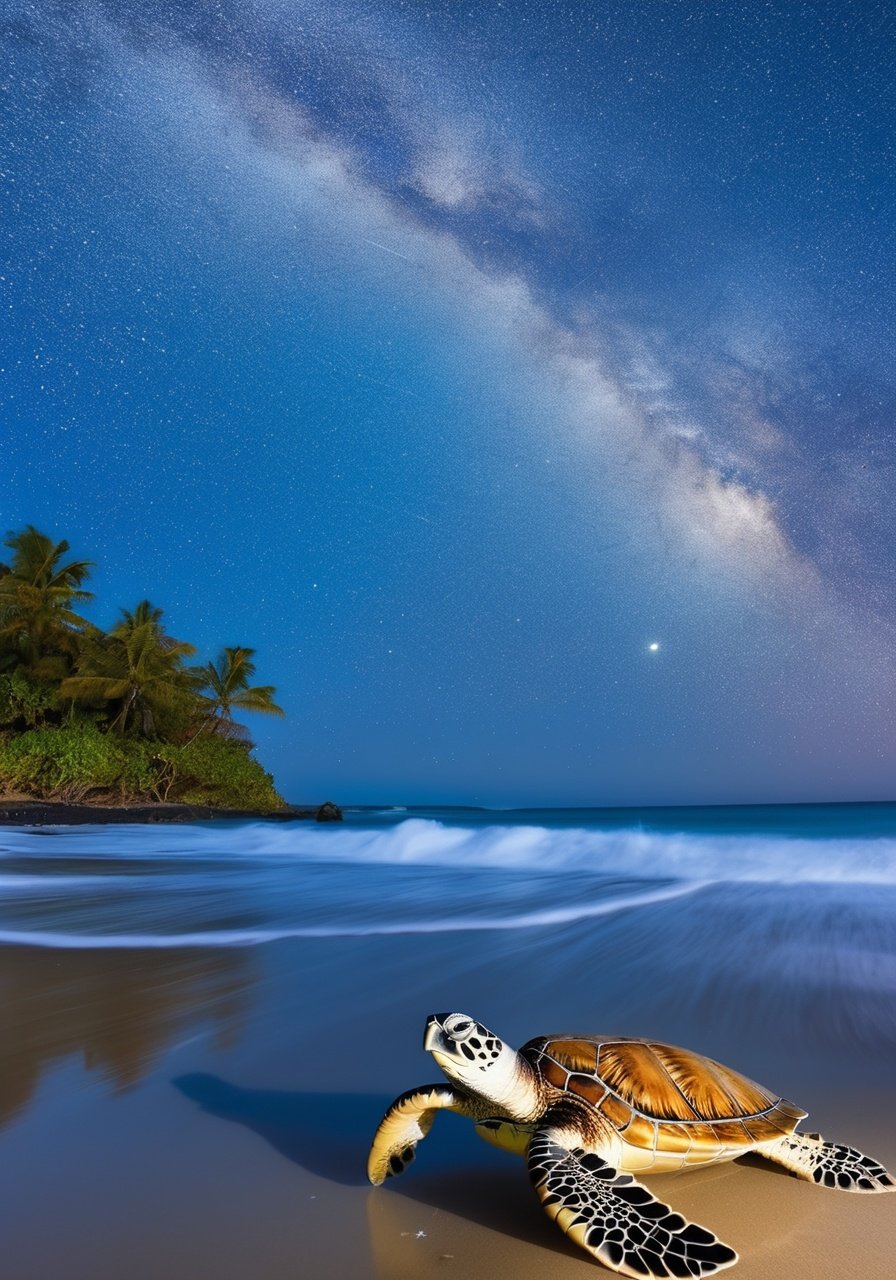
742	916
441	870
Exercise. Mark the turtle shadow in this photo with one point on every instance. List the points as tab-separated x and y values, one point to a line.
329	1135
753	1160
323	1132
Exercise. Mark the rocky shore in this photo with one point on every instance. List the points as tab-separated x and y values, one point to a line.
41	813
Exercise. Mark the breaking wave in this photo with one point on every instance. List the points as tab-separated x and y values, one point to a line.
633	852
245	884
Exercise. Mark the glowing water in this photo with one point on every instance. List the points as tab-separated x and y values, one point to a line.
752	924
247	883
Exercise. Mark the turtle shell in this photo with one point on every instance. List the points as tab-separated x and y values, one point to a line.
661	1098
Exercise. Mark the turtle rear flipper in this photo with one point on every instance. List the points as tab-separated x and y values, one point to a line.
829	1164
408	1120
613	1217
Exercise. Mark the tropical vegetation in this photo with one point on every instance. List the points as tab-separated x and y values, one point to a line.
88	715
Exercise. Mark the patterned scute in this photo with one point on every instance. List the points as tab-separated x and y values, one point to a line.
635	1072
715	1092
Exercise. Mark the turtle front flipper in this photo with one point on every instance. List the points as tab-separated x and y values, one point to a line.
407	1121
612	1216
829	1164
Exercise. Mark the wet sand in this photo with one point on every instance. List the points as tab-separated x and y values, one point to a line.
207	1112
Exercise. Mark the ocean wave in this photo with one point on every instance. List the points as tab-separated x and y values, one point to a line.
631	852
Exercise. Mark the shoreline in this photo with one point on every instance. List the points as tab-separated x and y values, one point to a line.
44	813
195	1050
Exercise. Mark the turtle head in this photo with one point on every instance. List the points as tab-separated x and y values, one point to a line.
479	1061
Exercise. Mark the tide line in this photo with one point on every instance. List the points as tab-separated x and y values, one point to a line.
256	937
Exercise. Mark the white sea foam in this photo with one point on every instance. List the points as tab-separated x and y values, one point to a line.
631	853
253	937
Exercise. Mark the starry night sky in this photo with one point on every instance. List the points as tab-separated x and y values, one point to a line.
452	354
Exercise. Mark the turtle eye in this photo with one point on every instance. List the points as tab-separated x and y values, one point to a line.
459	1028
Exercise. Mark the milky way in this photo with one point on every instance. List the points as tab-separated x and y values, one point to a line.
453	357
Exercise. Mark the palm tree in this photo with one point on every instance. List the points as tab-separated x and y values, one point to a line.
143	614
224	685
39	630
136	666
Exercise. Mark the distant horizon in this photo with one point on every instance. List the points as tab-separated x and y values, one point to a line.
573	808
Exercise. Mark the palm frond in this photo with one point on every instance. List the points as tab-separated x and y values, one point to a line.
94	688
260	698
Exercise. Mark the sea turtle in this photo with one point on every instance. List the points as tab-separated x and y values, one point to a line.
586	1111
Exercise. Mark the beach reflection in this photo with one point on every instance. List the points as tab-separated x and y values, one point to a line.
119	1011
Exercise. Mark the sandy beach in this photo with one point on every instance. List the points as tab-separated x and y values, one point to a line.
206	1110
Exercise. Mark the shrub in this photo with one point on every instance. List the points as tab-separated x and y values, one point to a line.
67	763
77	761
216	771
25	701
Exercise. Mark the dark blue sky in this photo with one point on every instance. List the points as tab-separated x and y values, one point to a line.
451	355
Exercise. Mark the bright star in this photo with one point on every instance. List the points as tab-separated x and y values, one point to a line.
653	647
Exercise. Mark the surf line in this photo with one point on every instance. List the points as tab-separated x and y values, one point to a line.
255	937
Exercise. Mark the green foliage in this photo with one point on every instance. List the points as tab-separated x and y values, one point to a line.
24	701
137	670
224	685
78	762
38	628
68	763
215	771
116	715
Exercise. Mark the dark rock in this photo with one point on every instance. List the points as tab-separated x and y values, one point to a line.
329	812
